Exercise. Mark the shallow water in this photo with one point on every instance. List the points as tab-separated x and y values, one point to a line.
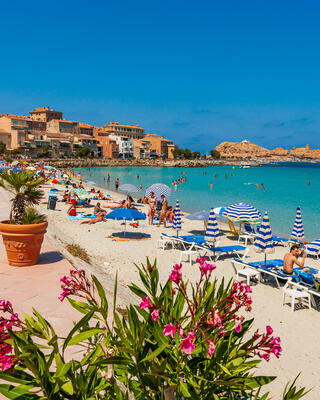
286	187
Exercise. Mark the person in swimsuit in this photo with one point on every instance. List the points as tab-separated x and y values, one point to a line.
152	207
163	211
292	258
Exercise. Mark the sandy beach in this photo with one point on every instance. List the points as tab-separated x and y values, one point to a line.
298	330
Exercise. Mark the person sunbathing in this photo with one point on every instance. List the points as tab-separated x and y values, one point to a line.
98	210
72	210
292	258
84	203
120	205
128	203
102	196
99	218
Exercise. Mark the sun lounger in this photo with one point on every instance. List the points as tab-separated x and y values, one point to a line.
219	251
273	268
280	241
313	248
198	239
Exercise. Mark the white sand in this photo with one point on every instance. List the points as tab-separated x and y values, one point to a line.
298	330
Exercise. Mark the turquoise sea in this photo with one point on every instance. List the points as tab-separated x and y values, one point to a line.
286	187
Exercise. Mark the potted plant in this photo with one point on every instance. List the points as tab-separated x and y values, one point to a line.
23	232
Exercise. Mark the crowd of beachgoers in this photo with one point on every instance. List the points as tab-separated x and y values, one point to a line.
144	225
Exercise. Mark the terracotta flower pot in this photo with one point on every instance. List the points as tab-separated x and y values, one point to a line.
22	242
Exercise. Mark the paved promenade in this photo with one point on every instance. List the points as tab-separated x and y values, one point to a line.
37	286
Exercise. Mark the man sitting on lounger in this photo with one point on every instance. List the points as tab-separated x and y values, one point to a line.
292	258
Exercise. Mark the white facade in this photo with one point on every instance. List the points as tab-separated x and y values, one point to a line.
125	146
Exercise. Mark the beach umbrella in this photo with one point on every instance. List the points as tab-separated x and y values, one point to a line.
82	193
158	189
91	183
31	169
219	210
297	231
199	216
212	232
14	163
127	187
16	169
242	212
126	214
176	224
264	242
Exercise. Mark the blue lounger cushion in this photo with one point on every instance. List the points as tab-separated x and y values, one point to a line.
227	249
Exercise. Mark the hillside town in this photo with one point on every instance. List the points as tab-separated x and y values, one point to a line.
45	130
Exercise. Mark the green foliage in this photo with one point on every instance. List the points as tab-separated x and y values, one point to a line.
3	148
185	154
84	152
43	152
215	154
31	216
132	352
24	187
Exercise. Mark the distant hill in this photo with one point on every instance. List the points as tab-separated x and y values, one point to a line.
245	150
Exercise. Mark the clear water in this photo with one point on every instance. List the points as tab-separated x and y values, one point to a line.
286	188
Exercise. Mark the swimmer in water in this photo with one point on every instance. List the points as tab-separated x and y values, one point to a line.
258	186
211	185
309	183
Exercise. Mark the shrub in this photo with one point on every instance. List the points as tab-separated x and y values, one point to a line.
78	251
183	338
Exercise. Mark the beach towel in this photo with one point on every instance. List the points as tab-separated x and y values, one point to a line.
80	217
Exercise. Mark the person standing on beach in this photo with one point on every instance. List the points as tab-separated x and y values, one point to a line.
116	184
152	207
163	211
108	179
73	195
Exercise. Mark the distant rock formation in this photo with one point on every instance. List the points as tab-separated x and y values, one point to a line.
247	150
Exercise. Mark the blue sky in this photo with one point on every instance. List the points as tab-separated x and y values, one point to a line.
198	72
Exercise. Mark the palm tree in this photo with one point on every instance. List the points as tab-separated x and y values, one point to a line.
23	185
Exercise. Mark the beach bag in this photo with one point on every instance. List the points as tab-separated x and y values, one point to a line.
305	277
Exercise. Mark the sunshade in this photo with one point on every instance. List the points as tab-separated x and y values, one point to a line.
31	168
264	242
199	216
14	163
297	231
126	214
92	183
176	224
82	193
242	212
212	232
16	169
158	189
127	187
219	210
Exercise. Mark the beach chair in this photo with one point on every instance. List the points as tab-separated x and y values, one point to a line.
165	240
231	250
281	241
273	268
313	249
233	231
295	292
188	252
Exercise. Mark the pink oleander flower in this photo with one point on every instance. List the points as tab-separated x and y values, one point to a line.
269	330
6	362
177	267
205	267
217	319
248	289
145	304
187	344
182	333
175	276
5	305
65	293
155	315
14	317
66	279
201	260
276	350
266	356
169	330
238	324
211	348
275	341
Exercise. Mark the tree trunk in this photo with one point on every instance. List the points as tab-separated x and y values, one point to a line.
18	209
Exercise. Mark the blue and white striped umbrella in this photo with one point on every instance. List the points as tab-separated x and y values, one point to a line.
242	212
212	232
158	189
297	231
176	224
264	242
